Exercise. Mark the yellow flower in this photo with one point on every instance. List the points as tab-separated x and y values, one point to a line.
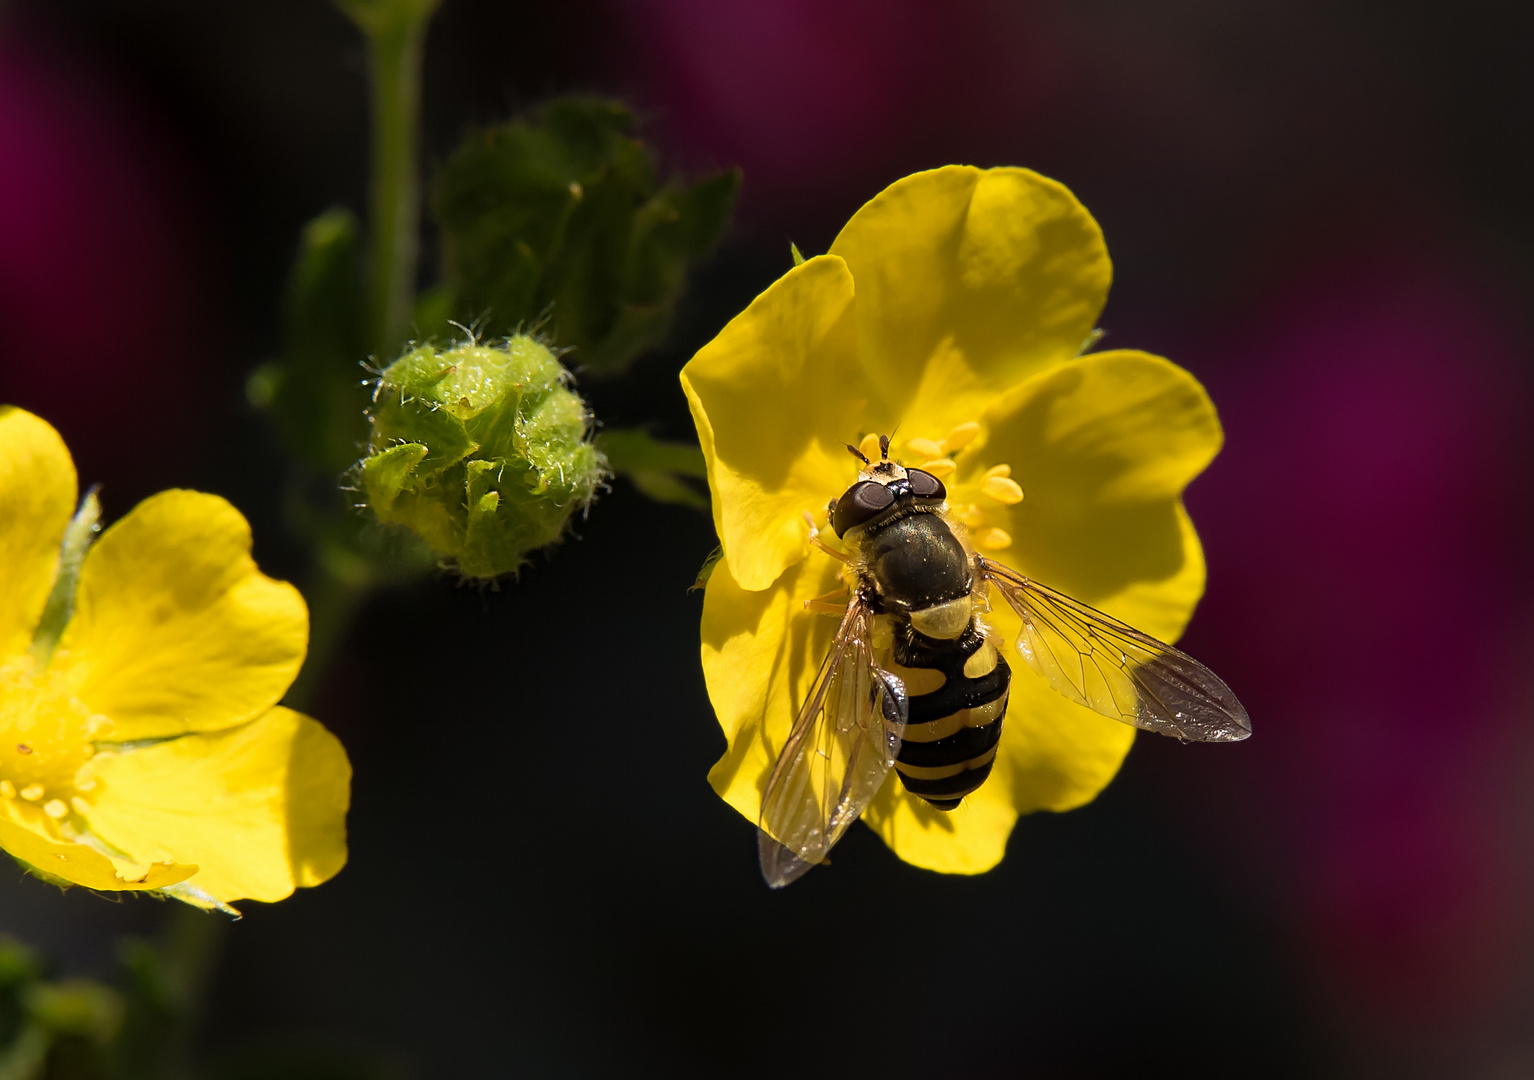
952	310
147	751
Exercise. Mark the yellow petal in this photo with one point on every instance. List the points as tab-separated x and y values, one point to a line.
761	652
1103	448
775	397
76	862
1002	268
260	808
175	629
37	497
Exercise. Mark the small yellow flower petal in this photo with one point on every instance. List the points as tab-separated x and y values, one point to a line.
925	448
175	629
1104	449
962	436
1004	490
76	862
1004	261
792	353
37	497
761	652
260	808
941	468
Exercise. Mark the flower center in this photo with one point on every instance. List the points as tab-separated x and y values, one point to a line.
982	501
46	735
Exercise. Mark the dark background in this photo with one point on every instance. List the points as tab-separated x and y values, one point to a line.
1320	209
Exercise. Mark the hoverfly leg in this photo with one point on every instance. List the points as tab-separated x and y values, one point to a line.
816	541
831	603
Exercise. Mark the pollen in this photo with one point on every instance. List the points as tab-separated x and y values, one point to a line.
56	809
994	539
1003	489
33	792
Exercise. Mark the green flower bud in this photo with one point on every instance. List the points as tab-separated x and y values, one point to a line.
481	450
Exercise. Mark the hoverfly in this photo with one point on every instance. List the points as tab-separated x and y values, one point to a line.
914	681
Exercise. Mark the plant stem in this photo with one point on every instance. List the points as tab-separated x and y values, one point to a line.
333	601
395	47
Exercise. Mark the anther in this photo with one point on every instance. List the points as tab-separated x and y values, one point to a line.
81	806
994	539
972	516
56	809
926	448
32	792
998	470
7	789
869	446
940	468
962	436
1003	490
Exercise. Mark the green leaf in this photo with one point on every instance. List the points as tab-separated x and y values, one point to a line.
656	468
313	391
561	218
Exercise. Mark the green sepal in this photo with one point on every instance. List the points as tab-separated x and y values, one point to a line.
561	217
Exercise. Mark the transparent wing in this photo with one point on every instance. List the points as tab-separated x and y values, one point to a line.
842	744
1116	670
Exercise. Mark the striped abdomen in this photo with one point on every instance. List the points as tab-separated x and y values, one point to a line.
958	699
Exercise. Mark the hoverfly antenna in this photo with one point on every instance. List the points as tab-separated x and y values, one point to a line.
855	452
884	447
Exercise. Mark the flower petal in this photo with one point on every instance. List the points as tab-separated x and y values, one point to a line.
1054	755
76	862
1102	449
260	808
775	396
1001	266
175	629
761	652
37	497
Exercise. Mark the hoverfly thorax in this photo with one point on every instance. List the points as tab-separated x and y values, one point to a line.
917	566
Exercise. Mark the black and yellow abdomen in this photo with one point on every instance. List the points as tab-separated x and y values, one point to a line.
958	699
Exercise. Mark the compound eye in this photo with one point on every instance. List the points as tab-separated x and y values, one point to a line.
861	503
925	486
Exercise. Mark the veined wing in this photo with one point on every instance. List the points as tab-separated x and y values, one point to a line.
1116	670
841	747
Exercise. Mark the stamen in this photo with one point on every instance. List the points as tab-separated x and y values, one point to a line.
972	516
940	468
998	470
962	436
1003	490
926	448
994	539
7	789
56	809
869	446
32	792
81	806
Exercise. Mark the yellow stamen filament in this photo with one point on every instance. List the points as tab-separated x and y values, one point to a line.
1003	490
80	805
7	789
926	448
994	539
941	467
870	447
32	792
56	809
998	470
962	436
